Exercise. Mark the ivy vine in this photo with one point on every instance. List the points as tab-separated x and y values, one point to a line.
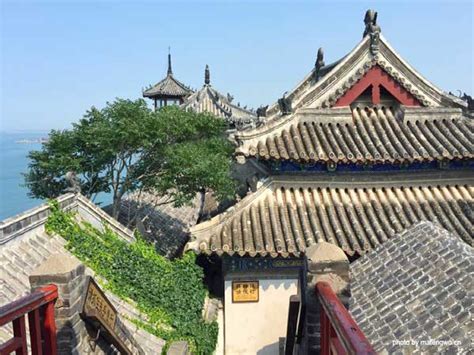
170	293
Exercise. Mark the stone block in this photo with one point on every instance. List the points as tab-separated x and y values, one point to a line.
326	262
178	348
58	268
67	272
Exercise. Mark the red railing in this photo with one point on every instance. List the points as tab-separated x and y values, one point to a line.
39	306
340	334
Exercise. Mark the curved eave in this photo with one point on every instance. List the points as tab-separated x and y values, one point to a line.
179	91
287	214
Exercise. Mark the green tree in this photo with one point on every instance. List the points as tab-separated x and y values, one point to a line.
127	147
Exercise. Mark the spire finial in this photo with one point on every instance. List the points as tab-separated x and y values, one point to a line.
207	75
170	70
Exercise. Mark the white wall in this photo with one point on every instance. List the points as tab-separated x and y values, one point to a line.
255	328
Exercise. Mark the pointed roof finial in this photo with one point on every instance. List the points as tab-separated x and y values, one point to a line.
170	70
207	76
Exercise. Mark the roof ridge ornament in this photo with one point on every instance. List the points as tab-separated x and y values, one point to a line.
285	104
319	62
207	76
372	29
170	70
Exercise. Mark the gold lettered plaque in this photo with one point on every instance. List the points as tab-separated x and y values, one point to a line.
244	291
96	305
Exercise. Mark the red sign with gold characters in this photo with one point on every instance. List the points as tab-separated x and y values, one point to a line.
244	291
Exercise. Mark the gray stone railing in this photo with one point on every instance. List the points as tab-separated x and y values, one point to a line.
29	220
32	220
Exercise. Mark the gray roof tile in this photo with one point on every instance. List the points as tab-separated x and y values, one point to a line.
436	303
286	215
169	86
371	135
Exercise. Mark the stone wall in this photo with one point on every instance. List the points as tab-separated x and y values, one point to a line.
32	221
74	335
29	222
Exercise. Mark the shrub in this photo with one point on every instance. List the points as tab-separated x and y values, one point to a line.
170	293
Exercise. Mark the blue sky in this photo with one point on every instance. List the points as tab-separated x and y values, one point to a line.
60	58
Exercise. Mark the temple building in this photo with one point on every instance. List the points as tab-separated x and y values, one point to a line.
361	150
352	231
169	91
210	100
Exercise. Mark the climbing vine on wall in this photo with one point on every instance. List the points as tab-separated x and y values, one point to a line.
170	293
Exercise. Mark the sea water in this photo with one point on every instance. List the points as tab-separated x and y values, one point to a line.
14	148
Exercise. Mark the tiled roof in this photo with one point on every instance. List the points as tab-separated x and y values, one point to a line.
169	86
357	213
167	226
322	88
368	135
418	286
210	100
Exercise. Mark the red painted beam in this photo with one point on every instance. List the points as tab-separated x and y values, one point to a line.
26	304
10	346
376	78
347	331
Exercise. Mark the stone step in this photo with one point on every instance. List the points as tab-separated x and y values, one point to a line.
28	252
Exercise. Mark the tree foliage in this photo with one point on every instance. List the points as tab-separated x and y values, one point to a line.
126	147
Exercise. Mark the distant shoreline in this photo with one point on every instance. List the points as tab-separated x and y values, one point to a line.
32	141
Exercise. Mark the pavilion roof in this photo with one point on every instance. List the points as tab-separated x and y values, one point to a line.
208	99
357	212
326	117
168	87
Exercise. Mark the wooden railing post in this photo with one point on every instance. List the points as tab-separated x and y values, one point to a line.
19	331
49	329
35	332
325	329
293	313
